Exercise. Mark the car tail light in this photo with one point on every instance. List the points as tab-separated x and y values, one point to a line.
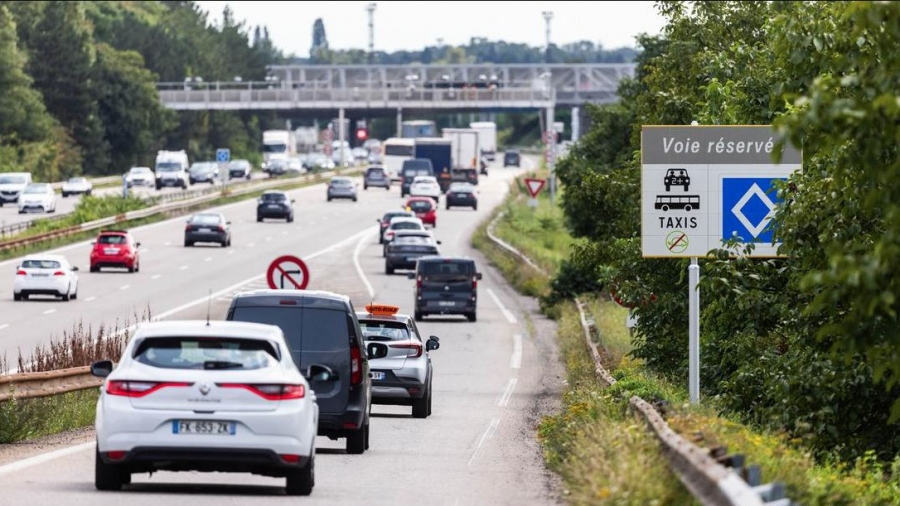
187	228
419	281
474	282
220	229
116	454
290	458
415	349
59	273
271	392
20	272
355	365
140	388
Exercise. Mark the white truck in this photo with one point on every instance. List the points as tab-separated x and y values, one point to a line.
307	139
278	144
171	169
464	146
487	138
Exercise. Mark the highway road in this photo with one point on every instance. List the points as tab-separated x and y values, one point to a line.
494	379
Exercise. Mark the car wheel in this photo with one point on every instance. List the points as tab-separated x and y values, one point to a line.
429	398
107	476
420	406
88	193
65	296
65	195
17	297
302	481
356	441
471	316
388	269
354	199
259	219
290	218
365	187
188	244
131	268
95	269
448	206
475	207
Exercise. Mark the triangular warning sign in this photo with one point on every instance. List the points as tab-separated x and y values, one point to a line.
534	186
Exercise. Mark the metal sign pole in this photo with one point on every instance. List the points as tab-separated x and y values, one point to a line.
694	331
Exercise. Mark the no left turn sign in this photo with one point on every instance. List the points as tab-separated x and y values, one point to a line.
287	273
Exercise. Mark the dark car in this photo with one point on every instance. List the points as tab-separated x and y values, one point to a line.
461	195
377	177
321	328
411	169
275	204
203	172
385	222
406	248
445	285
511	159
207	227
239	169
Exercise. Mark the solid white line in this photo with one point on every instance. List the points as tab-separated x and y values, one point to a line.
4	326
487	433
124	287
515	361
46	457
507	392
207	259
155	276
509	316
183	268
49	311
89	299
359	270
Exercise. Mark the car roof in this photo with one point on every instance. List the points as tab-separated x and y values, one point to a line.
211	328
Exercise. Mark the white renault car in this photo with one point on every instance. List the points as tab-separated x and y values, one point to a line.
425	186
45	274
208	396
37	196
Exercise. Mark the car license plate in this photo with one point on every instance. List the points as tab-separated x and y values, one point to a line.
274	206
111	251
203	427
37	275
446	303
203	230
377	375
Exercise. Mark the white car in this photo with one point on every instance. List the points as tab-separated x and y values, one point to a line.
37	196
401	223
425	186
208	396
140	176
45	274
77	186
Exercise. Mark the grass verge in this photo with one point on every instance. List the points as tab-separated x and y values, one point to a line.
605	454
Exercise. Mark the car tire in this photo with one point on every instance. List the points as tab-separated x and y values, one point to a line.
106	476
420	406
356	441
472	316
290	218
94	269
65	296
301	481
388	269
88	193
17	297
65	195
259	219
365	187
475	207
188	244
429	398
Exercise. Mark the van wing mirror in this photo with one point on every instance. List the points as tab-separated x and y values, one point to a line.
101	368
478	276
319	372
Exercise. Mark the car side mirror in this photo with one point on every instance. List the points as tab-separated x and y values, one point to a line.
478	276
228	223
376	350
319	372
74	268
433	343
439	242
101	368
411	275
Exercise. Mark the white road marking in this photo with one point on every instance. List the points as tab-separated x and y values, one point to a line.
46	457
487	433
167	243
362	241
89	299
207	259
4	326
155	276
124	287
49	311
183	268
515	361
507	392
509	316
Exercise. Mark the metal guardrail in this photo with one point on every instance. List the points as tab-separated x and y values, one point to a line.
703	472
178	200
33	385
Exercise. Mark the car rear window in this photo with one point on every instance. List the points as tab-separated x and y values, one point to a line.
405	225
273	197
40	264
112	239
383	331
449	268
421	205
388	216
305	329
416	240
206	219
206	353
375	173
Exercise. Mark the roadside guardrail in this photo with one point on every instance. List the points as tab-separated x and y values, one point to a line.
712	476
33	385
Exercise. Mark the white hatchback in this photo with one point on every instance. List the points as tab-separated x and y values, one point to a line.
208	396
37	196
45	274
425	186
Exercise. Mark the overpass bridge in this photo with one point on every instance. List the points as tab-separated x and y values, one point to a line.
375	89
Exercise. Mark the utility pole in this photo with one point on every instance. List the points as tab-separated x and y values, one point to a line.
548	15
371	9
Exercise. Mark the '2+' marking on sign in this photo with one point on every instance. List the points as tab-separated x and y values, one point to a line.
677	241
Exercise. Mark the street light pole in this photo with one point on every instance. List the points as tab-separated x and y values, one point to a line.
371	9
548	15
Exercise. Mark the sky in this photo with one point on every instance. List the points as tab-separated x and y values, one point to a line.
408	25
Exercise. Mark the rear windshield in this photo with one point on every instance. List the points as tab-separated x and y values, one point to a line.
384	331
40	264
206	353
420	205
388	216
273	197
415	240
206	219
406	225
112	239
305	329
375	173
450	268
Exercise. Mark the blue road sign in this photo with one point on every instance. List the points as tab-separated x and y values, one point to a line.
223	155
748	207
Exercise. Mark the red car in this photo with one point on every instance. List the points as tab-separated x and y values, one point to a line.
115	248
425	209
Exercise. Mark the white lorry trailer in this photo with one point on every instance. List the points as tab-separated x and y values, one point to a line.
487	138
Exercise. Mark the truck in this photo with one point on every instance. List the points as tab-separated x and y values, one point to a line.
278	144
440	152
416	129
307	139
487	138
465	147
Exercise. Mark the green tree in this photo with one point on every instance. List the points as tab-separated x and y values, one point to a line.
23	117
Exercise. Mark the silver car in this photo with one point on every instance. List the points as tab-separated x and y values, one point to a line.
403	376
341	188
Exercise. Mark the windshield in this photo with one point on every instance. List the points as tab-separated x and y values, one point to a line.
12	180
206	219
77	180
112	239
383	331
36	188
140	171
168	167
274	148
41	264
205	353
420	206
273	197
396	150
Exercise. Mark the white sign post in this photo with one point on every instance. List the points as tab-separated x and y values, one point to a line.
701	186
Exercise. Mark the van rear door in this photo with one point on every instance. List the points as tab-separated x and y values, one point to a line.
447	284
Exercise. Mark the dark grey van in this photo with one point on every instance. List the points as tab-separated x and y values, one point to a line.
411	169
445	285
321	328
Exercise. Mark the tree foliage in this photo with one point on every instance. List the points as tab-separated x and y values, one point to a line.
805	343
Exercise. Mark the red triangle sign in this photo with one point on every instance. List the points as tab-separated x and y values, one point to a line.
534	186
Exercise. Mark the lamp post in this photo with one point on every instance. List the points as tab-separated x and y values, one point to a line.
371	9
548	15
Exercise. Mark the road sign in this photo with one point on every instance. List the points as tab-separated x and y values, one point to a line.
701	185
534	186
287	273
223	155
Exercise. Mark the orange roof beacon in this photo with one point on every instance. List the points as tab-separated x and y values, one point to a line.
382	309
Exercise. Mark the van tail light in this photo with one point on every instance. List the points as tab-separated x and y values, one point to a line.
271	392
419	281
140	388
59	273
355	365
220	229
20	272
474	282
414	348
